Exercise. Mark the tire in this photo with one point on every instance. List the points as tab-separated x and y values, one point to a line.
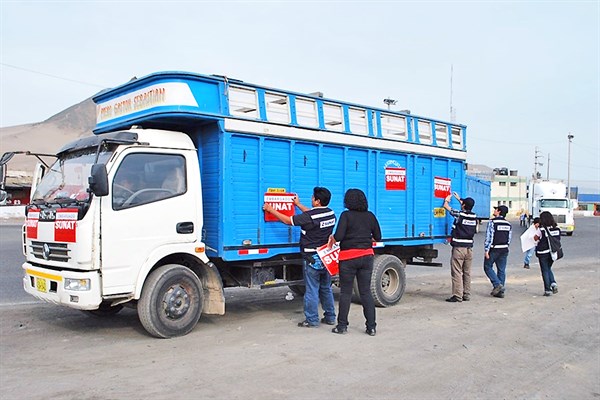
105	310
171	301
298	290
388	280
569	233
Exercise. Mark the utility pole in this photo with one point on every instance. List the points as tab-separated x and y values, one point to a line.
548	168
537	155
569	137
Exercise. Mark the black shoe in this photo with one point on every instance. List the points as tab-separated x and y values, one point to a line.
325	321
306	324
497	289
466	297
454	299
341	331
500	295
371	331
526	266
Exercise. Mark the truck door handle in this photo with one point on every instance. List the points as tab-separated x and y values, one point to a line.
185	227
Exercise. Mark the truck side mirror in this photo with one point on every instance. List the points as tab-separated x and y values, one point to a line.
98	180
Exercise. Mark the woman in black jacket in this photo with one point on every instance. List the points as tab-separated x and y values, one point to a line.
550	234
357	229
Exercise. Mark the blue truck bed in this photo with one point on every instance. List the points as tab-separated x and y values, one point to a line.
480	191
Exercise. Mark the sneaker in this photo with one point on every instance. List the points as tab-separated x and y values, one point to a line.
340	331
497	289
500	295
306	324
325	321
466	297
554	288
526	266
371	331
547	293
454	299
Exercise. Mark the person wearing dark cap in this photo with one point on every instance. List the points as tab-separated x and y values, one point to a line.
463	230
497	240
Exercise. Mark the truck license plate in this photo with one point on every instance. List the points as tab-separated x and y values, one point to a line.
40	284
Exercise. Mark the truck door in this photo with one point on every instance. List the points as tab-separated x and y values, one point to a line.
150	205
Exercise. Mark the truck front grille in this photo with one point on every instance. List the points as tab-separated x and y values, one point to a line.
560	219
50	251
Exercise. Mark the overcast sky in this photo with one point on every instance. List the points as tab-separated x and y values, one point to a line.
525	74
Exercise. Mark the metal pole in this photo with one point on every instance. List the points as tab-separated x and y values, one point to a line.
570	137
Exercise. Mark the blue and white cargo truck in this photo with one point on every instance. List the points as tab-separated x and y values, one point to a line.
162	208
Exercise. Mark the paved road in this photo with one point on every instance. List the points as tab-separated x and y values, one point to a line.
524	346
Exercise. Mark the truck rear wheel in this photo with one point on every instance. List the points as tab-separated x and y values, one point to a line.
171	301
388	280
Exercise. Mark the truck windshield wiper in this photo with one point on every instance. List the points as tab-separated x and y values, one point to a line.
67	200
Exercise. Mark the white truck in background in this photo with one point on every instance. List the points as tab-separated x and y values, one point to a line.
548	195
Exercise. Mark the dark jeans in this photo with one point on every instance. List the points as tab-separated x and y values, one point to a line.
498	257
361	268
546	262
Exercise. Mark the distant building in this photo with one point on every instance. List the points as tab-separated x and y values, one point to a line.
508	188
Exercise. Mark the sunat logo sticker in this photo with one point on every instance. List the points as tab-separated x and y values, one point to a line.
65	225
31	224
282	202
441	187
395	176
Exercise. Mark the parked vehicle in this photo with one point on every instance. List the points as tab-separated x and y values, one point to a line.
551	196
162	208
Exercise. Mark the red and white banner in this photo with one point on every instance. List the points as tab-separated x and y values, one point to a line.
282	202
441	187
395	178
31	224
65	225
330	258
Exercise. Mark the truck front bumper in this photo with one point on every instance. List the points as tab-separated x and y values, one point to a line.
49	285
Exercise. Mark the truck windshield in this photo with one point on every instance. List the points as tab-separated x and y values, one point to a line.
67	180
554	203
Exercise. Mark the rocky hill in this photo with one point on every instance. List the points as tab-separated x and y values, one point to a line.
48	136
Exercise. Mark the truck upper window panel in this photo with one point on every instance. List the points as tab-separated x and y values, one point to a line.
243	102
144	178
358	121
393	127
334	117
306	113
441	134
424	132
457	141
278	108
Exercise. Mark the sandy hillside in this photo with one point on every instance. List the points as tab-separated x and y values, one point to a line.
47	136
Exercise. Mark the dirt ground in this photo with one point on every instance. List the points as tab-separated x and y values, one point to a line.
524	346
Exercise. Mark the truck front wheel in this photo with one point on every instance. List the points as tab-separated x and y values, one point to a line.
388	280
171	301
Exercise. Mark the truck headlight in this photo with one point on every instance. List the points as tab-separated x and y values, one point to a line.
77	284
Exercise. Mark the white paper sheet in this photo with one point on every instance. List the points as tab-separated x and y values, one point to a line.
527	240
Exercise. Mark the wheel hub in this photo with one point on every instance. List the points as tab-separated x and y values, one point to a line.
176	302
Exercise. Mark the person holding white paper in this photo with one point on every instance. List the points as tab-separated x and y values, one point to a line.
528	241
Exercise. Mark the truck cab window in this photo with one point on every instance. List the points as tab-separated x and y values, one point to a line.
144	178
